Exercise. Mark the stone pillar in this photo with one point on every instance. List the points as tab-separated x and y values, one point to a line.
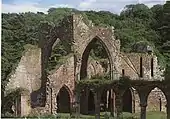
54	105
107	100
84	101
118	105
112	103
77	104
25	107
168	107
97	98
143	95
143	111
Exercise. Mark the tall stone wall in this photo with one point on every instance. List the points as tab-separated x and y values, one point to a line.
26	76
28	72
86	33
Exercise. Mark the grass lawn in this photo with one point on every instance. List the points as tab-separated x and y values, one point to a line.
156	115
104	115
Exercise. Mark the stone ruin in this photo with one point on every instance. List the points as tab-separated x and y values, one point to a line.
52	93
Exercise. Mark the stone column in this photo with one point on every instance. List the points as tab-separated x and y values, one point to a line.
118	105
97	98
54	103
143	111
166	90
107	100
112	103
84	101
168	107
24	104
77	104
143	95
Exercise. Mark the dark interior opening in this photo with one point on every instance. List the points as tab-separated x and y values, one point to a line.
127	101
123	72
103	101
63	101
152	67
141	70
91	103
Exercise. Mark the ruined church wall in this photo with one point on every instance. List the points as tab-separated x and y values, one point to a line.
131	66
28	72
85	32
64	76
26	76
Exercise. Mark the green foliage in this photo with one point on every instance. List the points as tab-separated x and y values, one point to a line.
58	56
10	99
56	15
97	83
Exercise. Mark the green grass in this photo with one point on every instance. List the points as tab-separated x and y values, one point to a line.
156	115
104	115
153	115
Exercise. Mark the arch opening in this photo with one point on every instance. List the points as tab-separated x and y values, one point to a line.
91	103
127	101
97	50
104	101
63	101
58	52
107	101
96	61
156	101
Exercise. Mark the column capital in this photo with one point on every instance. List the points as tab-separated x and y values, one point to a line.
143	105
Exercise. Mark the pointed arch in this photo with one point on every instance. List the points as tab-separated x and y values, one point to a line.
156	100
127	100
64	99
68	89
85	55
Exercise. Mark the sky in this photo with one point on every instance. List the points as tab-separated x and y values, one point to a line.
115	6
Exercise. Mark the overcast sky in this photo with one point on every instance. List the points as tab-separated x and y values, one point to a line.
114	6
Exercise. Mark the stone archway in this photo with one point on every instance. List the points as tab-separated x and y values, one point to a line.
63	100
156	100
86	96
85	56
127	101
